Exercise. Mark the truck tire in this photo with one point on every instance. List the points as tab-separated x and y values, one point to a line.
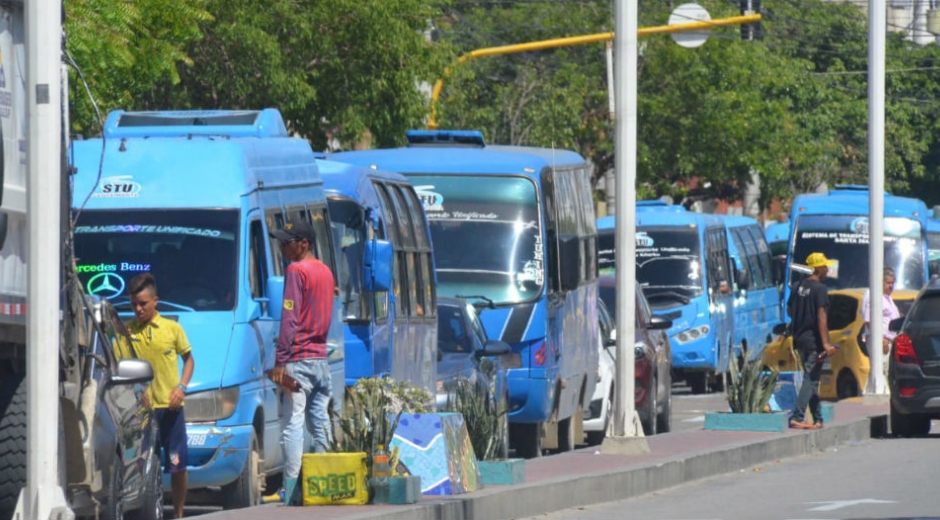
247	489
12	442
151	506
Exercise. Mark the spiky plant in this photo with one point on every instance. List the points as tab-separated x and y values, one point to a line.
371	411
484	419
752	384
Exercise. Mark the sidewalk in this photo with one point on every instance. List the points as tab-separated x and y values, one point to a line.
586	477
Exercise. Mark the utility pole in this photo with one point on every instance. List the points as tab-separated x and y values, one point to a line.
625	69
877	26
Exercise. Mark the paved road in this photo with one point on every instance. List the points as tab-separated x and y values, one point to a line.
880	478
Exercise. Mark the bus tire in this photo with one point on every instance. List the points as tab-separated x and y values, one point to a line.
568	431
12	441
718	382
247	489
698	382
527	440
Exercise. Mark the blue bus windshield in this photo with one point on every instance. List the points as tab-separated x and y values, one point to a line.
844	239
487	235
191	254
669	260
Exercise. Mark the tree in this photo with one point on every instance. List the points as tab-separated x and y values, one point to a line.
125	52
343	66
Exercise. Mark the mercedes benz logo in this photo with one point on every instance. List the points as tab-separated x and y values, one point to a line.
105	285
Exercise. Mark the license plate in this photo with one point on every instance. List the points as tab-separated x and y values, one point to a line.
196	439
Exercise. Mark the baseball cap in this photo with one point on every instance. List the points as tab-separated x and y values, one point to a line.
815	260
294	231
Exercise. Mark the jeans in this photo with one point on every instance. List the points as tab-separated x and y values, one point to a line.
309	405
809	390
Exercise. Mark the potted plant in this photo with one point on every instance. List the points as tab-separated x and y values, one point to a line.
487	428
749	390
371	412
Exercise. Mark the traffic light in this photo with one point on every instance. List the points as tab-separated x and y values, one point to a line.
750	31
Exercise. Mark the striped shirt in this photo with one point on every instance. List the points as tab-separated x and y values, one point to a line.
308	309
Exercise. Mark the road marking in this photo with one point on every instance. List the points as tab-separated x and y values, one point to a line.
839	504
699	418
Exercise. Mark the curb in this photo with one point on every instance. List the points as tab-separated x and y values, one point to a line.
537	498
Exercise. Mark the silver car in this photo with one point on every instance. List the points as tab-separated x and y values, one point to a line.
120	469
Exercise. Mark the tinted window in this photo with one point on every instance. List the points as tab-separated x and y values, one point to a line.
669	260
191	253
842	311
487	235
452	335
844	239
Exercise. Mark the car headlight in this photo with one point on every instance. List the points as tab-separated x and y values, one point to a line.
211	406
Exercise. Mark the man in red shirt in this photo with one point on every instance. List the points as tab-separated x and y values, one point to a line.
301	349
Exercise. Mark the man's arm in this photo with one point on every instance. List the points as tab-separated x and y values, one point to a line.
822	321
178	393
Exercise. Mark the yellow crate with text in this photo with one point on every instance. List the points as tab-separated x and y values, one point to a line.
846	373
334	479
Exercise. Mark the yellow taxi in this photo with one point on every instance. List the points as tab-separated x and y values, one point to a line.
845	373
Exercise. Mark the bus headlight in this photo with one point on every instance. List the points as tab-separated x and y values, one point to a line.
692	334
210	406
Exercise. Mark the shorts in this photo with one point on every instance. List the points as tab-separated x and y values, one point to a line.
172	426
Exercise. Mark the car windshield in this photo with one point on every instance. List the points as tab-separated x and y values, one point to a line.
844	240
668	259
349	235
191	254
487	235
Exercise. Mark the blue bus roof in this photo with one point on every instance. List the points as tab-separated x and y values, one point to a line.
853	200
186	171
777	232
344	178
739	220
450	157
662	218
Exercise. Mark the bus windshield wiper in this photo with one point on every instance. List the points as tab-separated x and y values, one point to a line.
668	295
175	306
488	302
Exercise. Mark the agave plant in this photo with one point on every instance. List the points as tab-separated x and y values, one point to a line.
371	411
484	420
752	384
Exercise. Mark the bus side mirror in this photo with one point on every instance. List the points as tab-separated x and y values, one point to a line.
3	222
274	289
377	266
569	261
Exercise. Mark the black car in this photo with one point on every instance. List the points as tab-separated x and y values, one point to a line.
914	365
466	353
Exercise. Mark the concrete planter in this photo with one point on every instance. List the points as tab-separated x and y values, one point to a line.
761	422
404	490
502	472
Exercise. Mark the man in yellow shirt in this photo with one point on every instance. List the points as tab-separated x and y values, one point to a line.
162	342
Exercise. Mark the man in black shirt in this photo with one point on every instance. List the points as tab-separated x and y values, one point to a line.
808	307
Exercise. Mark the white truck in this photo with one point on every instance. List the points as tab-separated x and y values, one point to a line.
106	462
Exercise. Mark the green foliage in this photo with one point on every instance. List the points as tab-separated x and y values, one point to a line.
751	386
371	411
484	419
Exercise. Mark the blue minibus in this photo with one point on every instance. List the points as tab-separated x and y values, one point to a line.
756	287
836	224
391	330
191	197
683	266
514	232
